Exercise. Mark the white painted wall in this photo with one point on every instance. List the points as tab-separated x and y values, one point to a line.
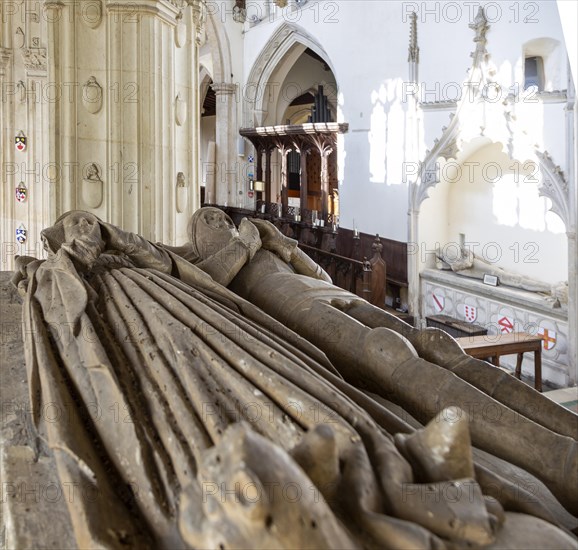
371	68
433	225
503	218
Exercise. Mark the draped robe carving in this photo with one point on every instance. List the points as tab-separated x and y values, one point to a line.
181	398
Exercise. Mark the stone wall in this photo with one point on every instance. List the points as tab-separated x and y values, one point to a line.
106	94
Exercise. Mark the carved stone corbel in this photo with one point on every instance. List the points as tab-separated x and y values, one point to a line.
180	31
92	186
21	89
181	193
92	95
180	110
199	19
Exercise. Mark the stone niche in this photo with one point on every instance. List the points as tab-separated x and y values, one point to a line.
502	309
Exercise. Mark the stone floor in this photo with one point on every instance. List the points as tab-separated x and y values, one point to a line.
567	397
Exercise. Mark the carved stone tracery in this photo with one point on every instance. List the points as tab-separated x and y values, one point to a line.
554	186
413	53
474	104
449	144
34	58
5	57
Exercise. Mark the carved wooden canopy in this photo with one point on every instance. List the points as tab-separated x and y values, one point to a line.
291	135
320	136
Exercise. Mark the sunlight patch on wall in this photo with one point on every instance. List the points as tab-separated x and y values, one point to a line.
395	153
387	153
517	203
377	136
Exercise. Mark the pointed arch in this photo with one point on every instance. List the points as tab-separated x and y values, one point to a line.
450	144
273	63
515	142
218	44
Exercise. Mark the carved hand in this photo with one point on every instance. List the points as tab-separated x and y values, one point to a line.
249	236
117	239
274	240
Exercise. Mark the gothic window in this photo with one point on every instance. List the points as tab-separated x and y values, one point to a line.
534	72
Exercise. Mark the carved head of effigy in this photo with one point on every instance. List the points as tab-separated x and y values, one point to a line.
78	233
210	230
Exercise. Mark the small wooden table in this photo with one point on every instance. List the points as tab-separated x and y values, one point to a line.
495	345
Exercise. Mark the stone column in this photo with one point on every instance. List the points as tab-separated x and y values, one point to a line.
571	229
53	14
227	166
198	12
116	155
189	34
60	17
7	83
106	93
152	139
23	80
413	265
37	206
412	150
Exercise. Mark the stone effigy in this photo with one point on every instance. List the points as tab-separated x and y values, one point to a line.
473	266
235	431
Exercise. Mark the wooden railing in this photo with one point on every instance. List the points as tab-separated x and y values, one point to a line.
346	273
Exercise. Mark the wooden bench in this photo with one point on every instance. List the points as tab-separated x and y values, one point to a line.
493	346
455	327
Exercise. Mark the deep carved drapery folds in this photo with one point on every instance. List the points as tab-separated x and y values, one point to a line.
234	431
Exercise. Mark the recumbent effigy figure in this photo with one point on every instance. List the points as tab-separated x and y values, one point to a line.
239	432
468	264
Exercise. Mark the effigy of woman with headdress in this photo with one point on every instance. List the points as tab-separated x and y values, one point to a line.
279	412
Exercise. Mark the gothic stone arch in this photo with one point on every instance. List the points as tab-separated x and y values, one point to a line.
275	60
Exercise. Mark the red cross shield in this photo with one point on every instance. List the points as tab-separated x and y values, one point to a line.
548	337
